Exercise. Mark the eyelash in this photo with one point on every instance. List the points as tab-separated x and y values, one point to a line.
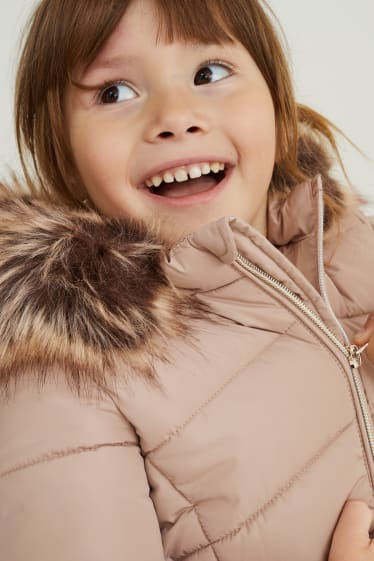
107	85
216	61
111	83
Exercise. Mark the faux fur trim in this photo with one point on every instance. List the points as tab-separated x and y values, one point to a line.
84	294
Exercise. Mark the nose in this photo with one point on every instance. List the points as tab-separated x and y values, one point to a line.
175	117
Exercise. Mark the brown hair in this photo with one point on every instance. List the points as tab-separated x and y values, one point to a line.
67	34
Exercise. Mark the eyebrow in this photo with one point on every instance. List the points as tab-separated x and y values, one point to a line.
114	62
119	60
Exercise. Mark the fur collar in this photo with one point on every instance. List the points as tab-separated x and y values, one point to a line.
84	294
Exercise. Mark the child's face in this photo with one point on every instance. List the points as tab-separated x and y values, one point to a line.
173	107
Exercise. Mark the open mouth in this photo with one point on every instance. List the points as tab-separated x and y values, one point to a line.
187	181
189	186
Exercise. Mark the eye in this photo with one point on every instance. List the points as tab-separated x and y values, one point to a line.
115	92
211	72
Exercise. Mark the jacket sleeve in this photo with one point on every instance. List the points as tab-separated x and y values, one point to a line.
72	481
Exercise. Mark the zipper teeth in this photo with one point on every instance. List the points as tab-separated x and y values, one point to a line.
271	281
362	399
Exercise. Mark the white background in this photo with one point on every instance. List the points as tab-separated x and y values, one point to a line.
331	44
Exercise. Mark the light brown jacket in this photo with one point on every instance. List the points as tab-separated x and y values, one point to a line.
218	422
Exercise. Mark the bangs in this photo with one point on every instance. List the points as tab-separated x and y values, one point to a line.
189	21
195	21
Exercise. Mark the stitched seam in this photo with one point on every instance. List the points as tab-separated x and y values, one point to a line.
355	315
324	345
218	289
58	454
180	428
202	526
276	497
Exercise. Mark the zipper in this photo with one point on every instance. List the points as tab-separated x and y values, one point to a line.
351	352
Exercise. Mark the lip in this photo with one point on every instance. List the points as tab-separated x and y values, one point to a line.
197	198
180	163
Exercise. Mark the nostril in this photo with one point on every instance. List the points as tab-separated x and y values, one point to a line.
165	134
193	129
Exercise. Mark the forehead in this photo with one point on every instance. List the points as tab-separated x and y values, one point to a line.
137	30
153	22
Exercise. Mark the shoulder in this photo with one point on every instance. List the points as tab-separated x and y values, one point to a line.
82	293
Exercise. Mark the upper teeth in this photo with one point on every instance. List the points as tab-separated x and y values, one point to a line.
184	173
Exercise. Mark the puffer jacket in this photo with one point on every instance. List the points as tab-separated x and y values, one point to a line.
203	403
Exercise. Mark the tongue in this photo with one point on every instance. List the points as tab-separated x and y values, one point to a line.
189	187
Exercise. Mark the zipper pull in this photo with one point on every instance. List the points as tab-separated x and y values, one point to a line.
354	355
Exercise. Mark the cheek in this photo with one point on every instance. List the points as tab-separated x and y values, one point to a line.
254	122
102	158
90	147
99	151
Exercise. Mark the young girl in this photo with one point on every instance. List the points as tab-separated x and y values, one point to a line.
180	296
